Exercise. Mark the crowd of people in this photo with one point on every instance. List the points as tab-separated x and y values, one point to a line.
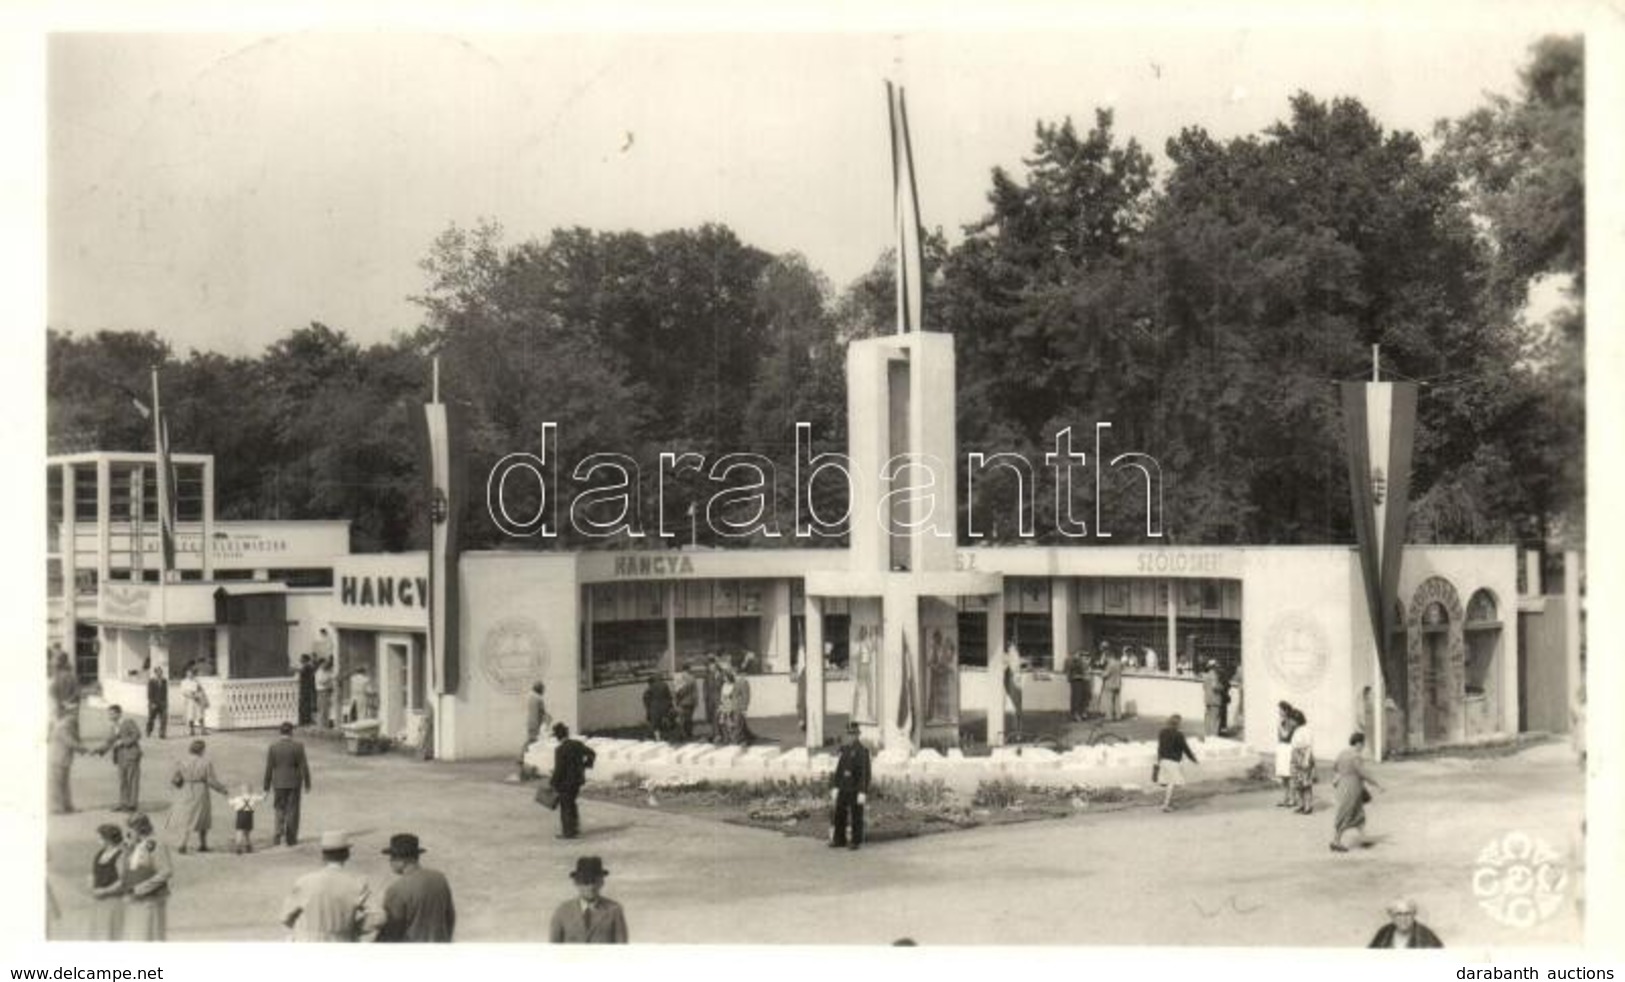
131	869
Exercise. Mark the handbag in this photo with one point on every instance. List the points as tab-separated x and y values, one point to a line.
1156	771
177	780
547	797
1365	797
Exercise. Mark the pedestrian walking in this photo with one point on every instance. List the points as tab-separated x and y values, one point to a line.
124	743
849	791
741	683
63	746
324	681
193	779
712	691
1303	763
1111	685
1212	699
1172	749
107	886
1403	930
197	703
589	917
287	779
726	729
418	905
147	872
157	703
1283	754
685	698
657	706
1077	681
1349	780
571	760
307	690
242	808
332	903
64	687
535	718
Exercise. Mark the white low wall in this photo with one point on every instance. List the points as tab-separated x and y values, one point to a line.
1121	766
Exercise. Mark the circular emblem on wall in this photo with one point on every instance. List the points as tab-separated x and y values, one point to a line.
1295	648
513	654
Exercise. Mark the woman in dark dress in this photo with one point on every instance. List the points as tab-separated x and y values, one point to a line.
107	886
1171	749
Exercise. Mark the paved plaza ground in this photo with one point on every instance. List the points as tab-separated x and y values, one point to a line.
1226	870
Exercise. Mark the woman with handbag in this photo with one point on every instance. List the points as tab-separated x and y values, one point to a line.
1349	780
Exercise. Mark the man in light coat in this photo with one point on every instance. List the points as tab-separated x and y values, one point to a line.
331	904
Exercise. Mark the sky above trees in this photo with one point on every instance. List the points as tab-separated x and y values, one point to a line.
220	190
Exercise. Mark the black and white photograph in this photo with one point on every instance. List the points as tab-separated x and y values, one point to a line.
1112	481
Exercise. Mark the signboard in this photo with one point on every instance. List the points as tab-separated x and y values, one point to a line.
234	545
382	591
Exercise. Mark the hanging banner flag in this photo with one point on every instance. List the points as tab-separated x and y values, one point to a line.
905	699
166	478
1380	419
906	209
445	445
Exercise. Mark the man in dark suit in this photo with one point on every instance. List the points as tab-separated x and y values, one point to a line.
307	690
588	918
287	777
849	787
570	762
158	702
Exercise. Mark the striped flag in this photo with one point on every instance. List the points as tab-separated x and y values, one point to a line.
906	209
166	477
1380	419
444	428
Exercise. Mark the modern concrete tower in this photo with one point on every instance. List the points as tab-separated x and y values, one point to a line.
903	584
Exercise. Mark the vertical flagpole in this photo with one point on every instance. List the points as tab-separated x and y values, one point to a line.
161	467
1379	692
435	383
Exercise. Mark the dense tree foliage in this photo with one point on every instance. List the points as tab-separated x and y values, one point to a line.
1206	313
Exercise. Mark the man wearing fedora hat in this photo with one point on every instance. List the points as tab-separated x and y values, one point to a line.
331	904
849	788
417	906
570	762
589	918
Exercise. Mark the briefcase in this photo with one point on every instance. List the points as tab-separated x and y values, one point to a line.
547	797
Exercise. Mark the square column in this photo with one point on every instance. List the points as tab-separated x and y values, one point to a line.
1063	616
994	692
814	669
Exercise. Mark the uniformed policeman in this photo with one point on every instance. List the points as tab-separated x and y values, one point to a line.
849	789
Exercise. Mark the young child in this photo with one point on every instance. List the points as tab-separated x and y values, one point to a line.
243	804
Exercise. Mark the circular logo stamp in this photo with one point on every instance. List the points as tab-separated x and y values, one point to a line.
513	654
1520	880
1295	648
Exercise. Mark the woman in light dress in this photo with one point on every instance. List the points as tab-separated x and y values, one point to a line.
1283	755
1349	780
147	873
197	703
193	779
